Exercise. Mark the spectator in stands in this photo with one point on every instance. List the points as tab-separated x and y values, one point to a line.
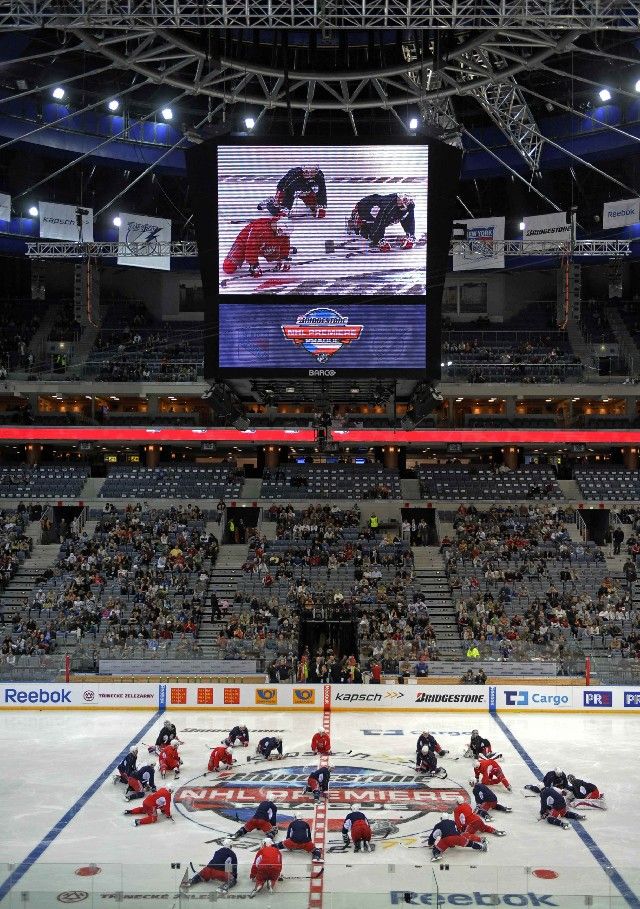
618	539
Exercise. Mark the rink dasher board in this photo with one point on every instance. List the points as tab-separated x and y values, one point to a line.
511	698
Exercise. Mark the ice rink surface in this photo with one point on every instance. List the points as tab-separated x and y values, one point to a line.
63	814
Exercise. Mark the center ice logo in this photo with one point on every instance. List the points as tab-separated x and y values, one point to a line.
322	332
396	803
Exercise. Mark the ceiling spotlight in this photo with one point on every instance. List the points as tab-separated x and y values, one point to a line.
113	105
58	93
249	122
413	123
604	94
522	225
117	221
33	211
637	86
167	113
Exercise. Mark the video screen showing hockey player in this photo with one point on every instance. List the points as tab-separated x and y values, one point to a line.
323	220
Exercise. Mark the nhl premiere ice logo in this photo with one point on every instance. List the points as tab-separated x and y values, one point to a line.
396	803
322	332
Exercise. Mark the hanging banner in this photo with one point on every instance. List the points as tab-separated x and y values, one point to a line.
547	228
60	222
620	214
5	207
143	236
478	252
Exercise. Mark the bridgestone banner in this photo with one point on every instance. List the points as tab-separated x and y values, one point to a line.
60	222
547	229
621	214
143	237
478	252
5	207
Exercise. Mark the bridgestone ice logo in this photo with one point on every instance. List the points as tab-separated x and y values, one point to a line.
424	697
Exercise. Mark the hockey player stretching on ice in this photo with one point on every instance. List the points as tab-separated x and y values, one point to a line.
266	867
553	807
159	801
140	782
222	867
239	734
479	747
373	214
445	835
126	767
582	793
220	755
170	759
426	739
427	763
264	819
299	837
306	183
486	801
165	737
268	238
489	771
321	743
356	829
467	821
269	744
557	779
318	783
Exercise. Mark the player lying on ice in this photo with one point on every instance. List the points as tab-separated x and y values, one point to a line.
373	214
266	238
305	183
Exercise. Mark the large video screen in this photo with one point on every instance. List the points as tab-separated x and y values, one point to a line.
323	221
351	336
361	226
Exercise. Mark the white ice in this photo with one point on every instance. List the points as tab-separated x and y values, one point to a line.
50	758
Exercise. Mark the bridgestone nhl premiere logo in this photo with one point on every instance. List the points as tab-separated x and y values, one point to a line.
322	332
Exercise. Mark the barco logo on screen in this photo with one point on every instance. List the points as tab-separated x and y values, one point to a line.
322	332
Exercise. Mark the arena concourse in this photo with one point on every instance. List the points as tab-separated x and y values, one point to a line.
298	590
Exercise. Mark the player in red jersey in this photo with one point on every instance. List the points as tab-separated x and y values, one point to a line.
155	802
467	821
220	755
489	772
321	743
268	238
169	759
266	867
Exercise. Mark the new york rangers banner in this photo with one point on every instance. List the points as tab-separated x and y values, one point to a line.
144	237
620	214
547	229
5	207
60	222
479	252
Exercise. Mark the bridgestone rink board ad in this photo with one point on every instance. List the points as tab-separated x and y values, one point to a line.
416	698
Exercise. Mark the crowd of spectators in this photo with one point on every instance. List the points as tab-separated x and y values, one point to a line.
18	324
521	584
140	579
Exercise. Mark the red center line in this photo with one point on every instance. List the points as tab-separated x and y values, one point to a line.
316	884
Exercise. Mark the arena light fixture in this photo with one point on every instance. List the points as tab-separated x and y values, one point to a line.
522	225
637	86
249	122
117	221
113	105
58	93
167	113
413	123
33	211
604	94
